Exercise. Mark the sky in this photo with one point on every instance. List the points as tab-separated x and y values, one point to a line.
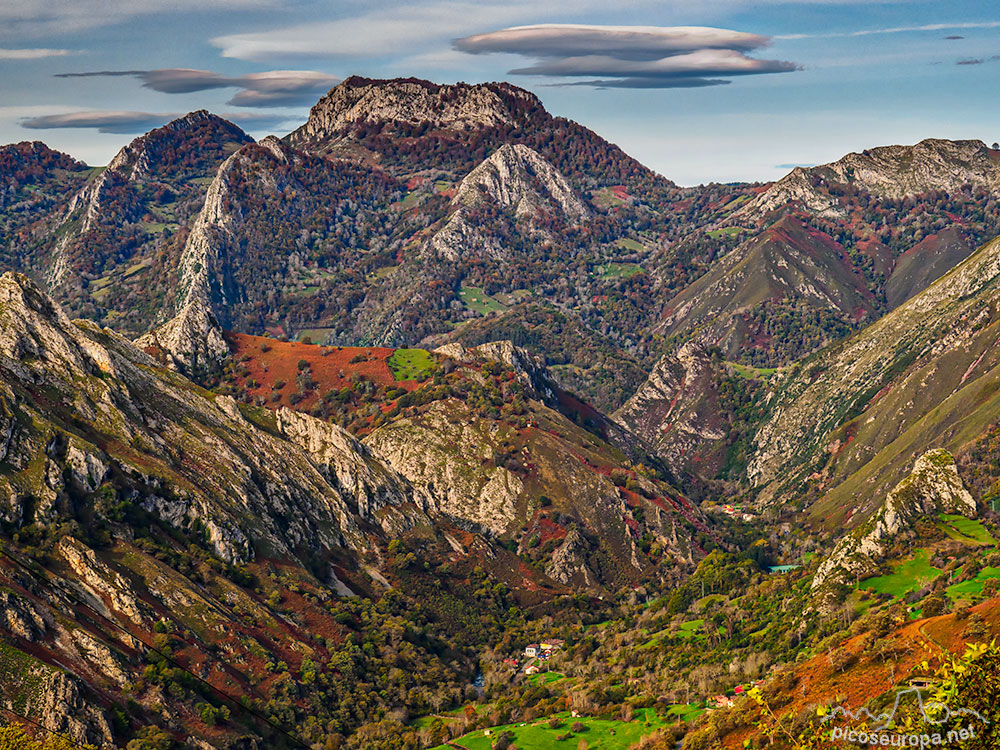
699	90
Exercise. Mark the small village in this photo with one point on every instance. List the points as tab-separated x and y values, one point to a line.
535	656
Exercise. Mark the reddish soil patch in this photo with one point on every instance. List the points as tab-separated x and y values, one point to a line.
817	681
331	367
550	529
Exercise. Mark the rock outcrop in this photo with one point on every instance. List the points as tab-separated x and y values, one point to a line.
676	411
359	100
934	487
448	461
365	483
517	179
887	172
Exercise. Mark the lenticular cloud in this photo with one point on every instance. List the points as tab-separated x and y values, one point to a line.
630	56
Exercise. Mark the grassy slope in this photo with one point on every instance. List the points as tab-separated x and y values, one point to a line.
857	415
600	734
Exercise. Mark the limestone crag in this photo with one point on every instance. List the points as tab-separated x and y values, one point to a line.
674	412
359	100
932	488
887	172
515	178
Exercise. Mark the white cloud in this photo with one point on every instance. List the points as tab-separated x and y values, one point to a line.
29	18
104	121
376	33
630	56
274	88
631	42
896	30
6	53
129	122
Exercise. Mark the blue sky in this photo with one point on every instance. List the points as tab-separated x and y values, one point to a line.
784	83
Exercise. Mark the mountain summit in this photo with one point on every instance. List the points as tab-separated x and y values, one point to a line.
410	101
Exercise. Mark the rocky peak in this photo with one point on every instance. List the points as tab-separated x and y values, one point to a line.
413	101
529	369
933	487
34	330
675	412
194	332
888	172
517	177
140	158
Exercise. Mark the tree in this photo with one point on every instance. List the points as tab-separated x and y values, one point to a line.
13	737
934	606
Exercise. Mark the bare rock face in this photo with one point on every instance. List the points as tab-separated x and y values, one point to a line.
34	330
364	482
516	178
191	337
103	582
193	334
933	487
887	172
530	370
358	100
675	410
445	457
102	657
61	707
569	562
20	618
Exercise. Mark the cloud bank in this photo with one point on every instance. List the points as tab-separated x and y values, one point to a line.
630	56
37	53
104	121
275	88
124	122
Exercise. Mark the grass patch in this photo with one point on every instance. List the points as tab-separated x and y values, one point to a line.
728	232
690	629
686	711
751	373
540	736
619	270
98	284
627	243
135	268
546	678
155	227
411	199
908	576
967	530
411	364
479	301
973	588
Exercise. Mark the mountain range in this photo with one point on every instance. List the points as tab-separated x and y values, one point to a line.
372	398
